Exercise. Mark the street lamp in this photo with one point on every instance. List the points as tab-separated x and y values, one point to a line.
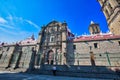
90	47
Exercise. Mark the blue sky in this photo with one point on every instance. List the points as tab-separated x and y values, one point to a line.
20	19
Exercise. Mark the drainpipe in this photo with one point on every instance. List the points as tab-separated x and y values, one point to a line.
108	58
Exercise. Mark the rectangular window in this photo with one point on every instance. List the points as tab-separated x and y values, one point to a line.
95	45
52	39
74	47
119	43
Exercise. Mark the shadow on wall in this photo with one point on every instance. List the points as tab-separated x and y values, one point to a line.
70	55
32	61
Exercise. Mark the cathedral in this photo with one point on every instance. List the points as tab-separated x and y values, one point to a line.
57	45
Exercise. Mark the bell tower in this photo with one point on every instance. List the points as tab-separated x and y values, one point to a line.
111	10
94	28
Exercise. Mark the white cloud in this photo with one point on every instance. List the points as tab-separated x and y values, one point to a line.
5	23
14	26
7	31
7	26
10	17
31	23
20	19
2	20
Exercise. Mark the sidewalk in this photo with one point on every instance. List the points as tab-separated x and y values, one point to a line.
23	76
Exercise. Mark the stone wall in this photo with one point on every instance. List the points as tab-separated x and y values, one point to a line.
14	56
107	53
114	25
6	54
103	46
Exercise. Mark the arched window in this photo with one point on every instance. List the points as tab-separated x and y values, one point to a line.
109	6
107	14
118	1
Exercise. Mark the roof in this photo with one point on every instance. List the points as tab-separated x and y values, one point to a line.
96	37
28	41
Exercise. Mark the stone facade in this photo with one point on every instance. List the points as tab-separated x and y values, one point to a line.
101	48
56	45
19	55
94	28
52	43
111	9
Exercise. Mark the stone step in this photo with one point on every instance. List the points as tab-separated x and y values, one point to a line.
79	74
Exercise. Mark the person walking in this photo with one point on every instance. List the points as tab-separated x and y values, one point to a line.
54	70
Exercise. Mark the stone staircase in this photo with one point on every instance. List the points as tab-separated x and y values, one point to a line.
101	72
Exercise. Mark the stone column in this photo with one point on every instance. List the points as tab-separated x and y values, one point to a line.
100	1
106	14
56	55
113	3
108	9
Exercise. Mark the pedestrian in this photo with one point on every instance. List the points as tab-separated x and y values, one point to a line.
54	70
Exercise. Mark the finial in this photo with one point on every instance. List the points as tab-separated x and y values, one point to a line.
32	37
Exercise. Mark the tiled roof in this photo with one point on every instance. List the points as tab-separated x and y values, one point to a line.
97	37
28	41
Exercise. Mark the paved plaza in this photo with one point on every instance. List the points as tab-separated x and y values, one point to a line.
24	76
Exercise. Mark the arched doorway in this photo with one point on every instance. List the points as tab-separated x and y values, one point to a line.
50	57
92	58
